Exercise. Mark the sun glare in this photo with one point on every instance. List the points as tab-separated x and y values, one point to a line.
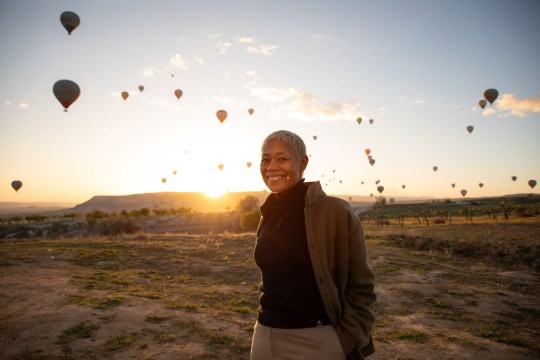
215	192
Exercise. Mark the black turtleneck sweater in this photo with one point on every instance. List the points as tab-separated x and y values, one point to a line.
289	297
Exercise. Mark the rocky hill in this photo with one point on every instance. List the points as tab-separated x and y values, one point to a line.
167	200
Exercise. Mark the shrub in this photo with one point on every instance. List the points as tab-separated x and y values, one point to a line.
250	220
118	225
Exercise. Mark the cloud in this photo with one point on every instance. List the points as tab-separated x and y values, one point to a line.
23	105
223	46
266	50
488	112
407	100
7	103
199	60
150	72
518	107
215	35
178	61
246	40
305	106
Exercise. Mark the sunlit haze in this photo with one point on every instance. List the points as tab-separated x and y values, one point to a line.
416	68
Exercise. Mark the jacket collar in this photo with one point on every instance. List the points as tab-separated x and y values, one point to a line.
314	193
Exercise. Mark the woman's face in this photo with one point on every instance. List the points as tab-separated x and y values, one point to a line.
280	167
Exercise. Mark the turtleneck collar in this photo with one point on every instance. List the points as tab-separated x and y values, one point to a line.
291	195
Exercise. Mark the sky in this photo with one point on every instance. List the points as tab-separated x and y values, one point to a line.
416	68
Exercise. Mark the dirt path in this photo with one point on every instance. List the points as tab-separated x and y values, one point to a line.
194	297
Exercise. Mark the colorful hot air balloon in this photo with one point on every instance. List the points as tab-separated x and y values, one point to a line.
514	178
16	185
435	168
380	189
532	183
174	172
370	121
250	111
70	21
482	104
220	167
377	182
178	93
221	115
314	137
141	88
491	95
470	128
453	185
372	161
248	164
403	186
66	92
367	151
125	95
359	120
463	192
481	185
164	180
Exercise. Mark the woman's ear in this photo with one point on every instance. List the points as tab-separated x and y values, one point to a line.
303	163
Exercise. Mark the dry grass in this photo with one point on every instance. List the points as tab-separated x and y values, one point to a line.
177	296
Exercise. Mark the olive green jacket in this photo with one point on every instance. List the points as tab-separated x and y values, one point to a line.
340	262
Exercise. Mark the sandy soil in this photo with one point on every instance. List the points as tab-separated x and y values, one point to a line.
194	297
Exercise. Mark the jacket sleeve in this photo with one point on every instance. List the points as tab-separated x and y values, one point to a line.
354	327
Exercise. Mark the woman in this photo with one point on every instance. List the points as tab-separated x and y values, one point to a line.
317	290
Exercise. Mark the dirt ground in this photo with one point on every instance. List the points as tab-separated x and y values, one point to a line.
195	297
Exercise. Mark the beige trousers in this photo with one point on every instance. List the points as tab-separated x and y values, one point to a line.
316	343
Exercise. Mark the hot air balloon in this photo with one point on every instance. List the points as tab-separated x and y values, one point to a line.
125	95
453	185
482	104
372	161
314	137
370	121
220	167
470	129
178	93
141	88
377	182
359	120
70	21
435	168
164	180
491	95
532	183
248	164
481	185
16	185
250	111
514	178
380	189
367	151
66	92
221	115
463	192
403	186
174	172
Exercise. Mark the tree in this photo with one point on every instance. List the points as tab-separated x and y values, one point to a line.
250	220
379	201
247	204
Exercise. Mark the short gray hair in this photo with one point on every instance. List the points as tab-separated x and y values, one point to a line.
290	138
